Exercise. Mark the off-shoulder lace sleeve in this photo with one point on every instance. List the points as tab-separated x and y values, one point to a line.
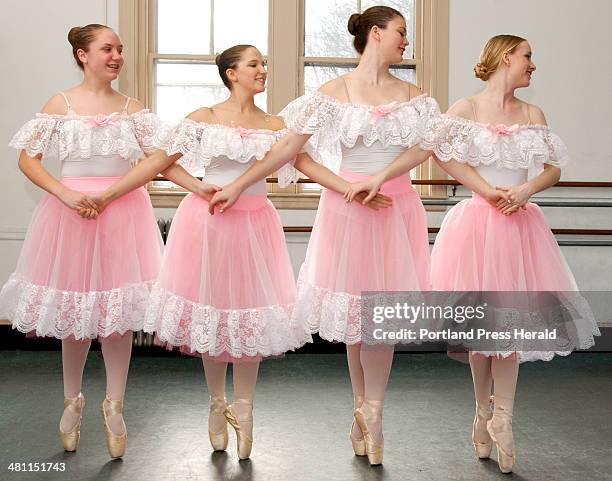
558	155
200	142
185	139
310	113
39	136
149	130
513	147
287	174
397	123
333	124
317	115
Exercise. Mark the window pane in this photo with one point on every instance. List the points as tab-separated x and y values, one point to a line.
239	22
407	73
325	32
183	26
316	75
406	8
182	87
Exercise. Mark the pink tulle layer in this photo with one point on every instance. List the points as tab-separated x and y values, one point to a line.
226	287
480	249
85	278
355	249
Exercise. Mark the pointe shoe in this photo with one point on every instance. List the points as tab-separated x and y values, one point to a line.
218	440
244	443
356	440
500	430
368	413
115	443
483	414
70	439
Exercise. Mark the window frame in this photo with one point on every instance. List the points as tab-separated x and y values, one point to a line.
285	74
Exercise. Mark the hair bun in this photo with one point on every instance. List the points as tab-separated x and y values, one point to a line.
217	59
353	23
72	34
481	71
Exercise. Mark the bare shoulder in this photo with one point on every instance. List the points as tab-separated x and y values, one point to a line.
536	115
204	114
414	90
462	108
275	122
408	90
135	105
56	105
335	88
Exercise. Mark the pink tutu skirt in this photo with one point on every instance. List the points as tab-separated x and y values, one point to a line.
226	287
354	249
480	249
85	278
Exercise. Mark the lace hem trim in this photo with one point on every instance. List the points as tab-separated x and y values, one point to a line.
336	316
265	331
60	314
530	356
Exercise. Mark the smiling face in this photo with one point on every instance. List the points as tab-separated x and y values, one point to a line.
103	57
392	40
519	64
250	72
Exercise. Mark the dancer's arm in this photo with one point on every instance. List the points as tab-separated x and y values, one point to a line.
177	174
159	162
325	177
285	149
470	178
519	194
34	170
402	164
288	145
143	172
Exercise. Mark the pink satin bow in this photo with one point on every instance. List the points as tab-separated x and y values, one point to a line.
101	119
243	132
501	129
381	111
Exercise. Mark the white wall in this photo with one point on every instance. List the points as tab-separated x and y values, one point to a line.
571	49
37	64
570	43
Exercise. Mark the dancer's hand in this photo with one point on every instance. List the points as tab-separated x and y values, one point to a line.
88	213
497	197
207	191
83	204
76	200
224	198
518	196
379	201
370	187
100	201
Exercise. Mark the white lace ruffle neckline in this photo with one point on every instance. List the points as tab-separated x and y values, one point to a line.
200	142
334	124
513	147
85	136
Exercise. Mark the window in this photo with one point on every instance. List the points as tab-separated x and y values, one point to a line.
187	40
328	49
171	47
